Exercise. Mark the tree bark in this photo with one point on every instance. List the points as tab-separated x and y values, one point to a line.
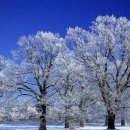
72	123
81	107
106	120
111	120
67	117
122	122
67	124
122	117
43	118
82	122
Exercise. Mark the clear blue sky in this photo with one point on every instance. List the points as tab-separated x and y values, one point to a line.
19	17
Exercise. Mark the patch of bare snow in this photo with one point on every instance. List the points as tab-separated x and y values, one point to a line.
51	127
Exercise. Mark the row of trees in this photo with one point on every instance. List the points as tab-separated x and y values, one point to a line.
83	69
18	112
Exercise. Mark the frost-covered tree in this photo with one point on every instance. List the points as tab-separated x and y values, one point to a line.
66	85
86	100
2	79
22	111
36	55
73	89
105	53
7	85
113	35
15	110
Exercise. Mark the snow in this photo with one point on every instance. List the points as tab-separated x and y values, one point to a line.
35	127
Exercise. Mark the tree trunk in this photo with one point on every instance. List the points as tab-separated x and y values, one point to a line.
67	124
111	120
81	107
72	124
122	117
67	118
82	122
122	122
106	121
43	118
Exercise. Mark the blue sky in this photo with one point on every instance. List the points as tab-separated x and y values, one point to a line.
19	17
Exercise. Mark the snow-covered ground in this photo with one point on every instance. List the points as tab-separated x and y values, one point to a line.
35	127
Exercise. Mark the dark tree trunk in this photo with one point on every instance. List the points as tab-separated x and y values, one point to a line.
67	118
81	107
106	121
122	122
43	118
81	122
122	118
67	124
72	124
111	120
